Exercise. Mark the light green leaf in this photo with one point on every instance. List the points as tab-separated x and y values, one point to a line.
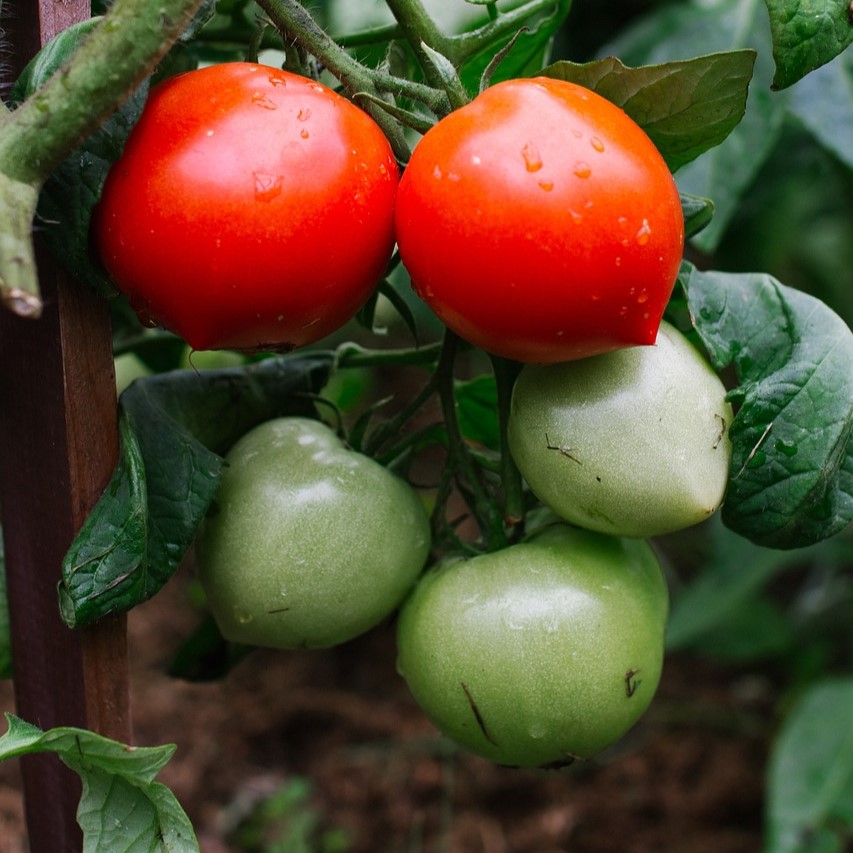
810	774
806	35
122	809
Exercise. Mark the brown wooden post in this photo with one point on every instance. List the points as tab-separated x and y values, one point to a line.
58	447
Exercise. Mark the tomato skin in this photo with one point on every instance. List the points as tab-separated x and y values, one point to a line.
540	223
251	209
543	652
308	544
630	443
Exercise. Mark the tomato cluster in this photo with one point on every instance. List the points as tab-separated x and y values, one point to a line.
539	223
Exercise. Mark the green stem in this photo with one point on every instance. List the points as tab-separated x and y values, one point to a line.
353	355
376	35
459	460
49	125
419	29
505	375
467	44
297	24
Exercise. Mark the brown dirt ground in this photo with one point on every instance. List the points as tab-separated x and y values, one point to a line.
688	778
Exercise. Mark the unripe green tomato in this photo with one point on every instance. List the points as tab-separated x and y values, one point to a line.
308	544
633	443
540	653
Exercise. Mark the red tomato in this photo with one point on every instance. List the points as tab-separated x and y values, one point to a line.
540	223
251	209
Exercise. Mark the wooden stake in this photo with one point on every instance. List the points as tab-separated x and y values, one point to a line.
58	447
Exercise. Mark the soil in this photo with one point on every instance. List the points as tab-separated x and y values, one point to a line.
337	733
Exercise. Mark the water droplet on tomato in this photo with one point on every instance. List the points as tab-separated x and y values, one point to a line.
644	233
530	155
577	134
597	144
277	81
618	262
623	311
577	218
304	133
210	133
476	160
437	174
582	169
261	100
267	187
383	169
643	297
303	114
546	185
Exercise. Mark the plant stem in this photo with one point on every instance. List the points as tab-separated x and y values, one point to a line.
36	137
459	459
296	23
505	374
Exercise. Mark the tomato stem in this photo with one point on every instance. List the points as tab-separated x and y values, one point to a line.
506	372
47	126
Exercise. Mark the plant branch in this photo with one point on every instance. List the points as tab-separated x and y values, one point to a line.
50	124
297	24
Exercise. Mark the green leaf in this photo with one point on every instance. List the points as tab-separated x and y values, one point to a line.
807	34
823	103
698	212
686	107
175	428
122	809
810	773
675	31
723	587
477	405
791	482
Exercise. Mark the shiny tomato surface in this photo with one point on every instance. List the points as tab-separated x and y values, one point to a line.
251	209
540	223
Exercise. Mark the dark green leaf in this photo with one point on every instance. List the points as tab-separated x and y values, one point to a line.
175	429
791	482
477	405
205	655
122	809
807	35
675	31
810	774
686	107
698	212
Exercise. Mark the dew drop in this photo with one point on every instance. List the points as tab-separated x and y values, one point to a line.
277	81
622	221
261	100
210	133
304	133
267	187
437	174
303	114
532	160
597	144
618	262
643	297
546	185
243	617
623	311
577	134
788	448
582	169
383	170
644	233
577	218
476	160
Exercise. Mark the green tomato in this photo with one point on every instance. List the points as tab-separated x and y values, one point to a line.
633	443
540	653
308	544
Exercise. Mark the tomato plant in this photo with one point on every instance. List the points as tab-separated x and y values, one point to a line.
541	653
633	442
255	207
251	209
540	223
307	544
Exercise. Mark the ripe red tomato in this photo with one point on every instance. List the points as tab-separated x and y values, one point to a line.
251	209
540	223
